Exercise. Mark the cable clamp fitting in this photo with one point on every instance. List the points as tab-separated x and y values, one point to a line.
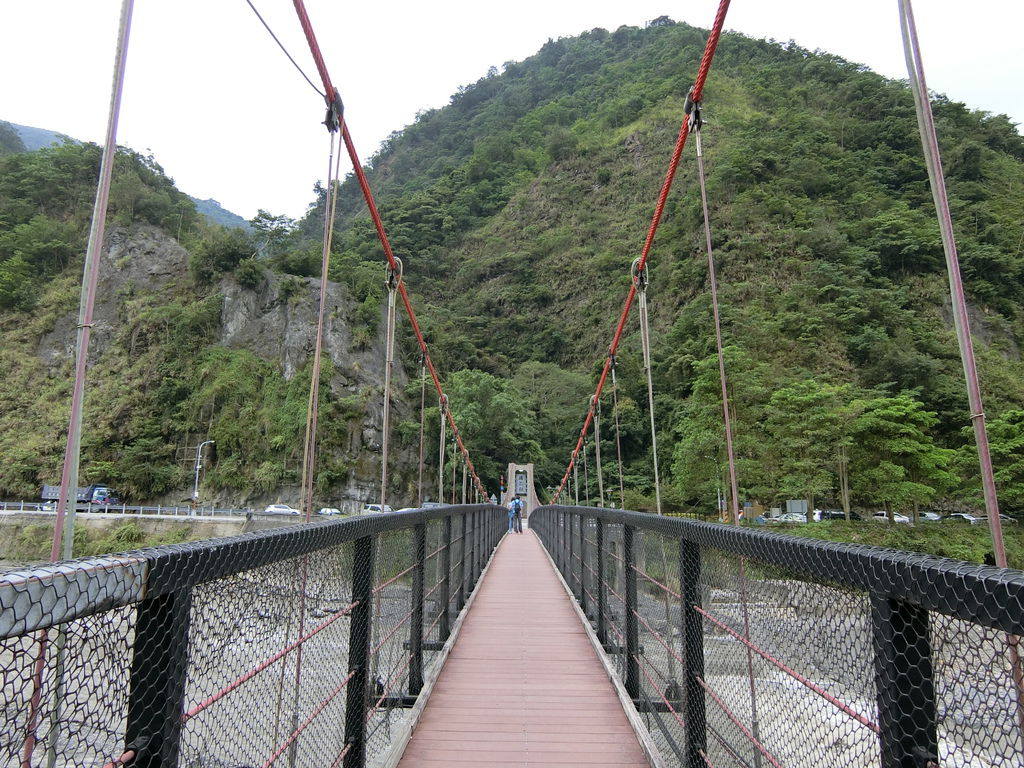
692	110
640	276
335	112
394	275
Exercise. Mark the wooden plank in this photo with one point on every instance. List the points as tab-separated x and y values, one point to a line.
523	686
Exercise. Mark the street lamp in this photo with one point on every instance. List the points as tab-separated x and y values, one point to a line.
199	465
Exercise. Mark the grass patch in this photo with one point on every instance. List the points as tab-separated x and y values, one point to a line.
970	543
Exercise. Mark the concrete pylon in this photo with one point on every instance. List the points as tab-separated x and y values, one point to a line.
519	479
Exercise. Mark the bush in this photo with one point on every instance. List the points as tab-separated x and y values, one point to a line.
249	273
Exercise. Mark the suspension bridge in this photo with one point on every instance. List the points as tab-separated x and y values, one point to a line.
441	637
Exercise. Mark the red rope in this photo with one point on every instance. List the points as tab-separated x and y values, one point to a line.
331	99
659	209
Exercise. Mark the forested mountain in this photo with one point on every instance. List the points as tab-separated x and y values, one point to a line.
518	209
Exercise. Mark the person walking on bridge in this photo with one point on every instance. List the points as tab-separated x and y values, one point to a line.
515	515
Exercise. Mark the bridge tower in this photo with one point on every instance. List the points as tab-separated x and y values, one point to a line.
520	481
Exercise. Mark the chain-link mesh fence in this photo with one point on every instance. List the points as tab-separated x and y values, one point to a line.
292	647
751	648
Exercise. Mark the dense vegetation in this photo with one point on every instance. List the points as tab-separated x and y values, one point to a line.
533	190
517	210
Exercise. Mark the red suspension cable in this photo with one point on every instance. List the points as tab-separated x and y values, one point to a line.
692	98
333	100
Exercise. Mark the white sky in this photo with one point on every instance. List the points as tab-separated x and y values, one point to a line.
228	117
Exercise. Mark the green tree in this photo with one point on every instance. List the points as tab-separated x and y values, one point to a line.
220	250
1006	445
893	459
699	459
272	231
495	422
558	400
805	424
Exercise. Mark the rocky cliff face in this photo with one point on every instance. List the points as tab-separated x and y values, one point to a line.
277	321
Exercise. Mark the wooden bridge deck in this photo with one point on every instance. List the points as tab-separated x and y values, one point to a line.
523	685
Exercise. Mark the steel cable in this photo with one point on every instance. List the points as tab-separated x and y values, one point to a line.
961	320
618	436
694	96
392	283
334	105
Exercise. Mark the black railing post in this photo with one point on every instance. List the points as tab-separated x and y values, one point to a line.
359	635
583	565
602	627
693	652
556	539
562	540
632	625
477	546
445	627
460	569
472	553
157	683
570	519
904	684
419	553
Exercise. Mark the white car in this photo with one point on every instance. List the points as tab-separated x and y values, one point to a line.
376	509
883	517
961	517
280	509
329	511
792	517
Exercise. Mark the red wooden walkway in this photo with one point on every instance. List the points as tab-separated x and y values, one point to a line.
523	685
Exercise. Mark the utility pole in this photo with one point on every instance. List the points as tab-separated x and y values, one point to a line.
199	466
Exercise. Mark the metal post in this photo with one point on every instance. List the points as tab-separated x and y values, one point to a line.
419	554
693	652
583	564
470	556
360	625
570	520
559	522
632	625
199	466
461	569
478	546
602	627
157	684
904	684
446	580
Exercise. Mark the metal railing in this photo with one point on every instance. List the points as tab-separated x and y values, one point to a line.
744	647
298	646
50	507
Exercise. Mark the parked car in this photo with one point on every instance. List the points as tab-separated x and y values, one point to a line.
961	517
882	516
328	511
792	517
838	514
1007	520
376	509
280	509
929	517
